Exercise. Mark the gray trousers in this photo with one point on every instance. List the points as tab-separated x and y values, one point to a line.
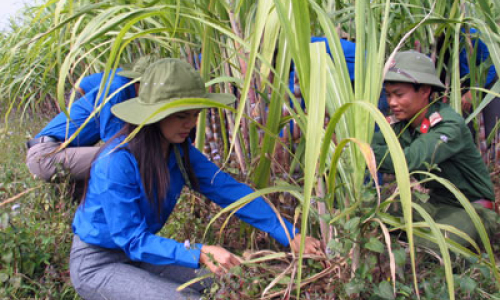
43	164
104	274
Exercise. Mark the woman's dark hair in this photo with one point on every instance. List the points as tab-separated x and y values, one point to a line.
153	167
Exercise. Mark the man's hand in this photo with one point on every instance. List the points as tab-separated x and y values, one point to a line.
467	102
217	259
311	246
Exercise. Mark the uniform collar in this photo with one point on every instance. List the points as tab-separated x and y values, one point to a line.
425	125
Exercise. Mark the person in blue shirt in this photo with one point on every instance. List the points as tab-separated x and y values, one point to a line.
349	49
491	113
134	186
44	157
132	70
90	82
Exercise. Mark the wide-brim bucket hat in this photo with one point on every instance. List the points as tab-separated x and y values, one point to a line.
137	68
168	81
413	67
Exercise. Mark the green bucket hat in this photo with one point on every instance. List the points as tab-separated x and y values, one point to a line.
137	68
413	67
165	81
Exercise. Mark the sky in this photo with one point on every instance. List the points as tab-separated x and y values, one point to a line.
8	8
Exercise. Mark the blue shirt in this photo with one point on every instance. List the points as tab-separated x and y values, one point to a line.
92	81
482	54
117	214
349	49
101	127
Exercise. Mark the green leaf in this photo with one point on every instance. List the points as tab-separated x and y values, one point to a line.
335	245
4	220
353	287
326	217
485	271
385	290
4	277
15	281
369	195
400	257
7	257
285	280
314	134
421	196
468	284
375	245
352	224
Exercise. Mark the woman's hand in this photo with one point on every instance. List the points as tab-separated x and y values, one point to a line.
217	259
311	246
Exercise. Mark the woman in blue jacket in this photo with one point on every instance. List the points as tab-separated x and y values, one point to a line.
134	186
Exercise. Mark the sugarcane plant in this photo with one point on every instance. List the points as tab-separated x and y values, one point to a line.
326	167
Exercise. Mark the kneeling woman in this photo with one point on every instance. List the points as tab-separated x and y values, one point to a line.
134	186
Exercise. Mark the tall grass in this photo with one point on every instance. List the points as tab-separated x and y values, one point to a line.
244	42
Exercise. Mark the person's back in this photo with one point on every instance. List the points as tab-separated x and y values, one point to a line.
482	55
102	125
491	112
90	120
90	82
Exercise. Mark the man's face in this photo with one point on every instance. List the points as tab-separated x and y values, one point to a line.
405	102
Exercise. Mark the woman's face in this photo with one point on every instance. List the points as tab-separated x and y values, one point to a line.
175	128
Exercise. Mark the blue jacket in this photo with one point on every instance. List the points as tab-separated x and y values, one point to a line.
104	124
349	49
90	82
116	213
482	54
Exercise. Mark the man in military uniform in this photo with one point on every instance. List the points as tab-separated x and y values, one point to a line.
431	133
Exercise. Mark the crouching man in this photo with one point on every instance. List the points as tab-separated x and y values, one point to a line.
432	133
44	156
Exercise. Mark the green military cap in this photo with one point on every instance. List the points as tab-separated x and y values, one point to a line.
137	68
413	67
165	81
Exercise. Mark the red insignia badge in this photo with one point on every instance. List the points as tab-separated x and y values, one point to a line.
424	127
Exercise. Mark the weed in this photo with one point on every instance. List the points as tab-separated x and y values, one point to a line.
35	230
